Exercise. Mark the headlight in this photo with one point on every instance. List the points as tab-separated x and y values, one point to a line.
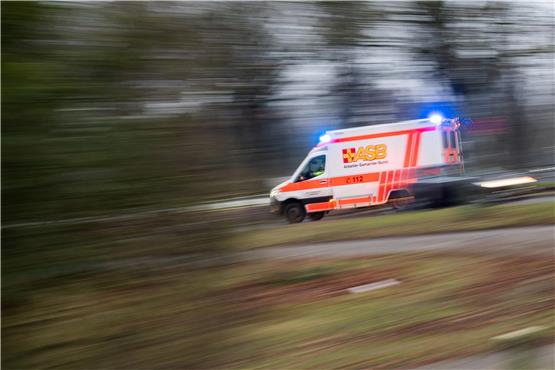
507	182
274	192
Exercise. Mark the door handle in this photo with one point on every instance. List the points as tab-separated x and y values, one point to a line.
323	181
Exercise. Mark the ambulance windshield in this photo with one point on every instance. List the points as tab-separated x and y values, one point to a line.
315	167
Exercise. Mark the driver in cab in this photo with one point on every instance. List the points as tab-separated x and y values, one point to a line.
316	167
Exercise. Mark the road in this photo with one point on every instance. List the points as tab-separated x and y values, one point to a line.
536	240
543	359
250	203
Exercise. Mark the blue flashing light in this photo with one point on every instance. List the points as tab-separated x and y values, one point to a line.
436	118
443	108
466	121
325	138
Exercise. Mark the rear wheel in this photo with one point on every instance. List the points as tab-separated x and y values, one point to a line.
401	200
316	216
402	204
294	212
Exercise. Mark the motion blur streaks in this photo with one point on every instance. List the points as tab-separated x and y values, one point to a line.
129	104
119	118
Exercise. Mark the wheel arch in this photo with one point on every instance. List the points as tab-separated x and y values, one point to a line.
287	201
398	194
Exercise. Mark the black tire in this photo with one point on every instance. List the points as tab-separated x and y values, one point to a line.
401	206
401	200
294	212
316	216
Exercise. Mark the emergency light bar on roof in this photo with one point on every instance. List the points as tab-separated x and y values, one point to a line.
380	127
325	138
436	119
390	129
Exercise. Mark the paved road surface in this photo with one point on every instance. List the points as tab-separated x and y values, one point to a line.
537	240
525	240
543	359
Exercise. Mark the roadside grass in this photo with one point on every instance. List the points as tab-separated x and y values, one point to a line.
545	185
446	306
465	218
279	314
80	296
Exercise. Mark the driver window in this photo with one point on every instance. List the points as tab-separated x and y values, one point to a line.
315	167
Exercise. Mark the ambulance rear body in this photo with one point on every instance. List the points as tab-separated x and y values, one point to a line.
368	166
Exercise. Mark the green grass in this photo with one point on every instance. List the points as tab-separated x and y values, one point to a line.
545	185
65	306
372	330
209	318
404	224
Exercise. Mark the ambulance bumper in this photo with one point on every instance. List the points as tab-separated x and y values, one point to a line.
275	206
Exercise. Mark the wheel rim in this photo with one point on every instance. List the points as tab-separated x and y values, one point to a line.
294	214
403	204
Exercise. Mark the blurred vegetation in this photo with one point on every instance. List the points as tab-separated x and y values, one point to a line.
137	105
447	305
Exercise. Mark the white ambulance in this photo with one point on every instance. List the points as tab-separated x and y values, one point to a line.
368	166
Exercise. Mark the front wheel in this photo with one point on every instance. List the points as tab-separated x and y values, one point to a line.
316	216
294	212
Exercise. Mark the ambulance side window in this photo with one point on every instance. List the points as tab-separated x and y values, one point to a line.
315	167
454	143
445	139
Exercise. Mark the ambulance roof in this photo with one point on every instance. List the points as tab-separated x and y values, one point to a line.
372	129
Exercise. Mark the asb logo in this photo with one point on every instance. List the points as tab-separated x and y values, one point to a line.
367	153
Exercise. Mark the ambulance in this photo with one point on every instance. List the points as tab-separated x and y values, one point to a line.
369	166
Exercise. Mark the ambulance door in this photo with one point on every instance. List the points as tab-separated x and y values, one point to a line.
452	151
450	146
313	180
